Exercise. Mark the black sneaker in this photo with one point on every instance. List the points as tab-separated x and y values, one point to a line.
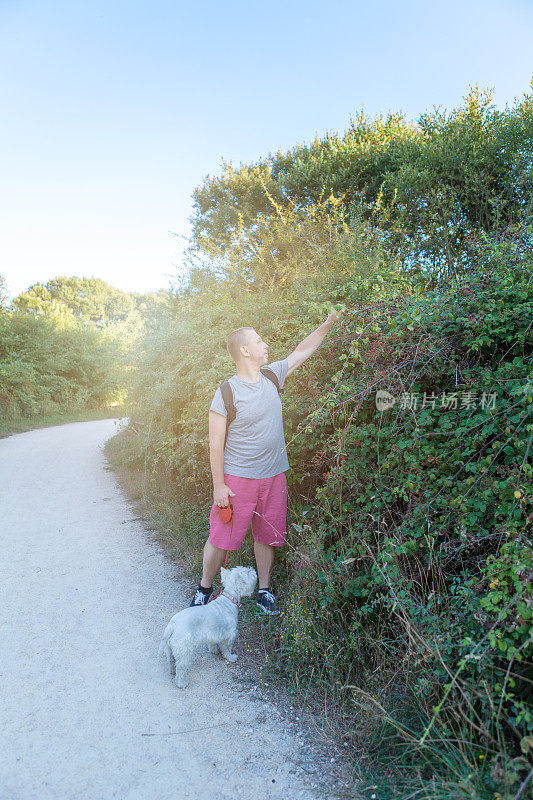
200	598
267	602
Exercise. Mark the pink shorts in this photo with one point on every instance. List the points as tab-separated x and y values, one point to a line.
259	502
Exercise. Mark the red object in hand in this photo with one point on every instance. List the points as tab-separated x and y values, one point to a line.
225	514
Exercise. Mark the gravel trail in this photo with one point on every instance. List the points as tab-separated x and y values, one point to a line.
87	710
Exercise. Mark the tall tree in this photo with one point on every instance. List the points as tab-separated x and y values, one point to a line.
431	188
86	299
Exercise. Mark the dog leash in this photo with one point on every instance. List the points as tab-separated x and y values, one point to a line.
229	540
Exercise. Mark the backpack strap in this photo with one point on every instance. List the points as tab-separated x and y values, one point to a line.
227	396
271	375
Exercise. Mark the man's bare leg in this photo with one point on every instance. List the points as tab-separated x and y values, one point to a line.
264	557
214	557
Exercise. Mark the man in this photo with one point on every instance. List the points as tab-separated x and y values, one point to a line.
249	471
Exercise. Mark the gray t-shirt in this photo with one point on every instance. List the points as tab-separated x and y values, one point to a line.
256	444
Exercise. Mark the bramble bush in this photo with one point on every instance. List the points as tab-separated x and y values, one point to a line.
413	565
409	563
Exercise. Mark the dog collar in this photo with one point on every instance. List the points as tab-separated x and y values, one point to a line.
230	597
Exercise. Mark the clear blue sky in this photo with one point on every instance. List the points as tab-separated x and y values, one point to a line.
113	112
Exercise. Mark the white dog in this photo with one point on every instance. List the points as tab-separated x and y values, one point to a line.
214	624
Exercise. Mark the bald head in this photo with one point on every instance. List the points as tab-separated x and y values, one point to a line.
236	339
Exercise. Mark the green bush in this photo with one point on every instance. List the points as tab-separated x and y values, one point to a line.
47	370
429	187
409	561
413	565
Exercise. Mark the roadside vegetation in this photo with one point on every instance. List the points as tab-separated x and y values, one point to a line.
409	570
408	575
66	350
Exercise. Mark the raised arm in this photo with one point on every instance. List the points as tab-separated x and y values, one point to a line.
311	343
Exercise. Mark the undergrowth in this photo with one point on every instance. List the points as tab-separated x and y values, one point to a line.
407	574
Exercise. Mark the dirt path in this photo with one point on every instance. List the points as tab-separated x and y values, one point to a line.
84	597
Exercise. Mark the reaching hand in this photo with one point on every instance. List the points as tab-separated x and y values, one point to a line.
334	315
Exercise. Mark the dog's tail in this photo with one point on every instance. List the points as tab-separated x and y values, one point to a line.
164	646
164	641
